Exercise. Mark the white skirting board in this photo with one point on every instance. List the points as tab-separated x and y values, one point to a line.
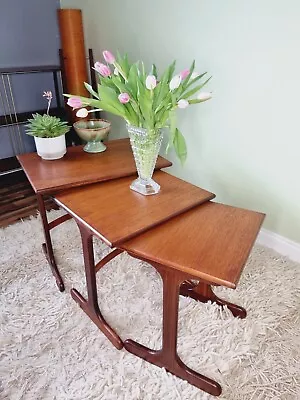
280	244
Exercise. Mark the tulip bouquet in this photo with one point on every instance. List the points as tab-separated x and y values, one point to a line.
144	100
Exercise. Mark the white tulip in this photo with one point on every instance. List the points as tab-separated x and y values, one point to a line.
183	103
151	82
194	75
82	113
204	96
175	82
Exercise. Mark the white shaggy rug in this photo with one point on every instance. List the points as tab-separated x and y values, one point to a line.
51	350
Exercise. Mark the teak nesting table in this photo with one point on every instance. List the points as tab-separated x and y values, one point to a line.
76	168
192	242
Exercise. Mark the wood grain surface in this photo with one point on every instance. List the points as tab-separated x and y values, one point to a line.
211	241
116	213
79	168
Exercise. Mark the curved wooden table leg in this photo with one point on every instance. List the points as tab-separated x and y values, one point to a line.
91	306
167	357
97	318
203	292
48	251
47	246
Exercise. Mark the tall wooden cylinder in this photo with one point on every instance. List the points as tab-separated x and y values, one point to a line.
73	51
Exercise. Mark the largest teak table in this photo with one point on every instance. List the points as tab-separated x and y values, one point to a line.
76	168
192	242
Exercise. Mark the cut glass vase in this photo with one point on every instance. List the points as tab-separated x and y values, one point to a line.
145	147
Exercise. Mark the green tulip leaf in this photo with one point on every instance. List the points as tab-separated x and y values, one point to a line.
187	79
190	93
193	81
180	146
91	90
154	71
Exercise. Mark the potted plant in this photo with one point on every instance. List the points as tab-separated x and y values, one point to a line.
148	103
49	133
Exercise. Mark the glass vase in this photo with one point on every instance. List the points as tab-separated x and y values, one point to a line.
145	147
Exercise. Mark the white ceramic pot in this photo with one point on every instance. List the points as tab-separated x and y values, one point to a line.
51	148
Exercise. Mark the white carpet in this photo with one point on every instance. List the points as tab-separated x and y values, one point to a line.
51	350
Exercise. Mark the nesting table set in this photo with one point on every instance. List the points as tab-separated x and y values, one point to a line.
192	242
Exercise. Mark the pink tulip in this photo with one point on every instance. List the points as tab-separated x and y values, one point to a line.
102	69
74	102
175	82
151	82
124	98
204	96
183	103
109	57
82	113
184	73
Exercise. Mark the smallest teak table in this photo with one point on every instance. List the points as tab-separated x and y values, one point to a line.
182	234
209	243
76	168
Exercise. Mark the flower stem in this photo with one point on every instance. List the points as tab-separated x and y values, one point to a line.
48	108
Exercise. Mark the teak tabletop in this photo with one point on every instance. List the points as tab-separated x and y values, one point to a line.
79	168
211	242
115	213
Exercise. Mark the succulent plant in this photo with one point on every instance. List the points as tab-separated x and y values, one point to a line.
46	126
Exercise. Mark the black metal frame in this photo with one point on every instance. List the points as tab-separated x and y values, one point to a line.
9	165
